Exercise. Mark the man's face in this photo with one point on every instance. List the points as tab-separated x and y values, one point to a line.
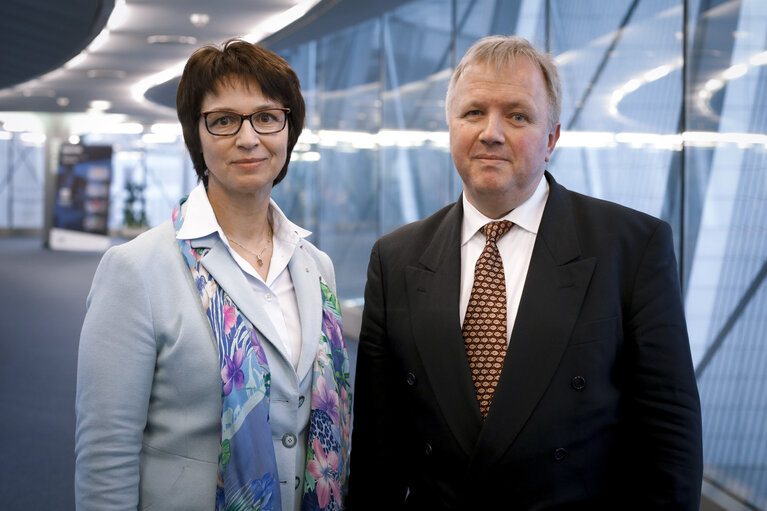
500	137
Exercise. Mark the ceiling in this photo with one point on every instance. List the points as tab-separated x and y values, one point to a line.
121	48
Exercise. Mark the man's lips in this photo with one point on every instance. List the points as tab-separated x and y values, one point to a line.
489	157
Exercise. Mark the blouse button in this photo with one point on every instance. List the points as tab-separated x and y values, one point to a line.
289	440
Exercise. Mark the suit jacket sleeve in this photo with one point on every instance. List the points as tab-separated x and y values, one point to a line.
376	480
114	377
663	397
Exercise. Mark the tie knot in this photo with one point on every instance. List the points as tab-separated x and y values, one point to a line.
494	230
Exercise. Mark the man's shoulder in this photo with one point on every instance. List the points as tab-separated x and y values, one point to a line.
597	211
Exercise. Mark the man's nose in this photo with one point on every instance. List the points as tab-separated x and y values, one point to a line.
492	131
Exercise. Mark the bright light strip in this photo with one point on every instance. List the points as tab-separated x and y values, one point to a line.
158	138
100	104
166	128
586	139
100	40
33	138
635	83
139	88
735	71
759	59
274	24
658	73
118	16
279	21
76	61
21	122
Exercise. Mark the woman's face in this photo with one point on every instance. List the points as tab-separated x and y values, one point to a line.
247	162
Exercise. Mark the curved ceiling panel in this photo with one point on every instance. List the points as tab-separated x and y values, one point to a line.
42	35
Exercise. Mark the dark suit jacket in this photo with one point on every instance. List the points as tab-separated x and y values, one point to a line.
597	405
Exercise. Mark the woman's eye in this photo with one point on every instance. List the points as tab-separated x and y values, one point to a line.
265	117
224	120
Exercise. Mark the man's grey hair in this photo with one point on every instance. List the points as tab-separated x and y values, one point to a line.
501	51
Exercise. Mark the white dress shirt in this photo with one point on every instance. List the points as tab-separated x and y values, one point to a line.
516	248
277	291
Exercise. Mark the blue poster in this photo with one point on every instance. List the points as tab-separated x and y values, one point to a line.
82	188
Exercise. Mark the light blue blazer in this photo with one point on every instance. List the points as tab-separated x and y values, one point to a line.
148	380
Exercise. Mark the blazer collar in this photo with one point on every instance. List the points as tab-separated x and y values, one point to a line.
433	288
556	282
305	275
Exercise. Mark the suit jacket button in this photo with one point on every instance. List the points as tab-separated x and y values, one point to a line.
427	449
289	440
578	383
410	378
560	453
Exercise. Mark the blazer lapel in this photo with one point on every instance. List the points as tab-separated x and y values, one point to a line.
433	289
219	263
556	282
306	282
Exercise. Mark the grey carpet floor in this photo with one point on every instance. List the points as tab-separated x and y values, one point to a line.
42	305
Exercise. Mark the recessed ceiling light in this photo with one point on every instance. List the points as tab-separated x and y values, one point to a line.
62	101
100	104
106	73
199	19
171	39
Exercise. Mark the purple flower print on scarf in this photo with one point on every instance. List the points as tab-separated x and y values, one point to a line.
231	372
333	328
326	400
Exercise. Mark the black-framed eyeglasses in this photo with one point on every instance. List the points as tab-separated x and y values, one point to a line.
264	122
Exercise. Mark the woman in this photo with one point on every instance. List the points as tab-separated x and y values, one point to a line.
212	370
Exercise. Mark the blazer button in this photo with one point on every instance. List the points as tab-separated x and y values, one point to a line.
578	383
289	440
410	378
427	449
560	454
300	401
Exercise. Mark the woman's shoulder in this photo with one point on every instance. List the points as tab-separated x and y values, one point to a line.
147	248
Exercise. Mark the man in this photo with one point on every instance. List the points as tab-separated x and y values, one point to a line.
596	406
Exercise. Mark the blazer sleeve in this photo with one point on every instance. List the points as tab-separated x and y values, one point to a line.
376	479
663	398
115	370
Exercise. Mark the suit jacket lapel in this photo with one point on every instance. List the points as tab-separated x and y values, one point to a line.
219	263
433	289
556	282
306	282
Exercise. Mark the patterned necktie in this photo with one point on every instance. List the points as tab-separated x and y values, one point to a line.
484	326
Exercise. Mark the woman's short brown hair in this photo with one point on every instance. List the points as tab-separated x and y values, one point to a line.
212	66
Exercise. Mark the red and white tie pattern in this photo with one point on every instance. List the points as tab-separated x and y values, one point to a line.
484	326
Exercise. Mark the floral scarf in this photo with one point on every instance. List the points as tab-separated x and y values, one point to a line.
247	469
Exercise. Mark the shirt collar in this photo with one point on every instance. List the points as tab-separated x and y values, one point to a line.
200	220
527	215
